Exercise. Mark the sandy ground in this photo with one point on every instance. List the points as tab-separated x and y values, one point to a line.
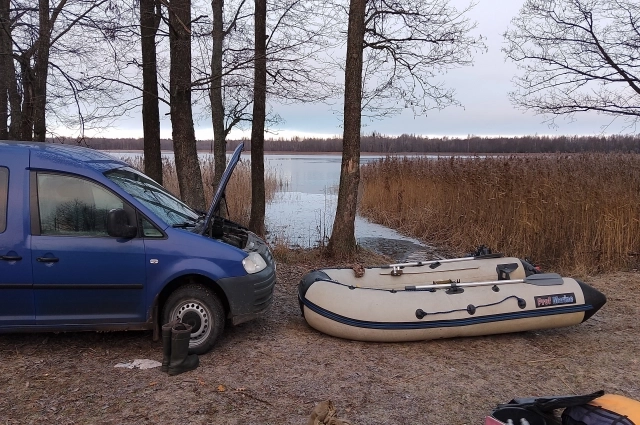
274	370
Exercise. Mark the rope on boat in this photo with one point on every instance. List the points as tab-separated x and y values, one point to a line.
471	309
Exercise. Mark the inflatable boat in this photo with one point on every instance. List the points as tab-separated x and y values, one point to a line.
467	296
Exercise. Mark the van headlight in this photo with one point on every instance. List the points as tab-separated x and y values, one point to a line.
254	263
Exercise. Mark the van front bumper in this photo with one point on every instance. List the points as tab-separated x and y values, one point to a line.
249	295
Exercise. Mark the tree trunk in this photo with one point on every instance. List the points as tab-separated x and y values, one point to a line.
15	99
256	222
26	123
40	71
343	240
184	140
149	22
217	107
5	75
4	100
8	73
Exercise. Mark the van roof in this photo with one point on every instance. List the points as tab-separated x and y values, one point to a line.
48	154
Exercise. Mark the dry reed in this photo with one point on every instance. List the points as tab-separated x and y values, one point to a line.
238	192
575	214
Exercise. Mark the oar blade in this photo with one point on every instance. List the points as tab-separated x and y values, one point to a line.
544	279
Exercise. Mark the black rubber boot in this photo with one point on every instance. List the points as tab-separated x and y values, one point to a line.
180	359
166	344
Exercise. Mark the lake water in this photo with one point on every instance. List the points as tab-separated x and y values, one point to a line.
302	212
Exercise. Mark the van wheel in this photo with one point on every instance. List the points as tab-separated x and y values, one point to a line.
197	306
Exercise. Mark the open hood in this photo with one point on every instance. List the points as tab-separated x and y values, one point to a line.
217	197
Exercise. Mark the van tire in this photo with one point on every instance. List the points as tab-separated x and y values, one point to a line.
199	307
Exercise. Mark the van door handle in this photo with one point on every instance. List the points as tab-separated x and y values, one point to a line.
10	257
47	259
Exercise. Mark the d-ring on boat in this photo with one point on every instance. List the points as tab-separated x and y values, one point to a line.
467	296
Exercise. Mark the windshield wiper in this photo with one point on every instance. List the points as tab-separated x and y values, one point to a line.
184	225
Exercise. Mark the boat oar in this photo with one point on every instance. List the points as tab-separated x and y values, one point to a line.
435	263
543	279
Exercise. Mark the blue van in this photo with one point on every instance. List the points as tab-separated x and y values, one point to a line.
89	243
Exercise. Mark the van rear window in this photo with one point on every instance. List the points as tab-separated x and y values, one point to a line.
4	194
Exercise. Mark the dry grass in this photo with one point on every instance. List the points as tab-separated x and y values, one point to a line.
238	193
575	214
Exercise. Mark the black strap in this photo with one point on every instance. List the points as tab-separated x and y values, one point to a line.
548	404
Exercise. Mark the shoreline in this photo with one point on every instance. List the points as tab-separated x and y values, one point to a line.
334	153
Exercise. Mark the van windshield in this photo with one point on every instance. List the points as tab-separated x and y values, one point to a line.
155	197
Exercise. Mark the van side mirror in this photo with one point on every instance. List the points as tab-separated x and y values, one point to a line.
118	224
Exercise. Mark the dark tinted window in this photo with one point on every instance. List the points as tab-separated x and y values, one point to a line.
73	206
4	194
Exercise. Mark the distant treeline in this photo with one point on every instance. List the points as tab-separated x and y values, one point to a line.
413	144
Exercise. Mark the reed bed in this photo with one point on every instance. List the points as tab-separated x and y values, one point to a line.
238	192
575	214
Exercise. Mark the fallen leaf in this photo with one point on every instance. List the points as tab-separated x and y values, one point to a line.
221	388
153	383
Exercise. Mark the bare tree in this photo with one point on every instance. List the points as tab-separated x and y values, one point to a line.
215	92
58	48
7	69
292	36
9	74
409	45
287	68
47	19
407	42
343	241
38	73
228	104
577	56
256	221
184	139
149	23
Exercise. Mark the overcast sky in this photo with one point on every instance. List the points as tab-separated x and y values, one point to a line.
482	89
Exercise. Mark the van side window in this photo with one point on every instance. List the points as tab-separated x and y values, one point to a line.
149	230
4	196
73	206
